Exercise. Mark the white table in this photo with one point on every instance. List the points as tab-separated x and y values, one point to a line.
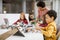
28	36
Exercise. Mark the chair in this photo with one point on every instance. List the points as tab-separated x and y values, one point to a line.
58	32
58	35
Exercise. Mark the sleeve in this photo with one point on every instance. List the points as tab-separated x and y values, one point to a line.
26	22
48	32
16	22
43	25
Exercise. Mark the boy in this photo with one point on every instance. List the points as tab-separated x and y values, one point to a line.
49	31
41	12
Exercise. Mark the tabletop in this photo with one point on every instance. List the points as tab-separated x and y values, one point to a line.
28	36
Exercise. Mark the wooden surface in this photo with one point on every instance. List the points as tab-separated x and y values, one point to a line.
8	33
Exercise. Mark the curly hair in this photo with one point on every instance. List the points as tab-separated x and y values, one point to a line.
41	4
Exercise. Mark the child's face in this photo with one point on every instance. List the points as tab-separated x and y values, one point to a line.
32	16
22	17
48	18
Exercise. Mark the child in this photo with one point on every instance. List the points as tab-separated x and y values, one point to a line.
22	19
41	12
42	23
31	18
49	31
31	21
41	9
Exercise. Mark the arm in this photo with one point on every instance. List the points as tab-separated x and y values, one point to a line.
38	27
48	32
16	22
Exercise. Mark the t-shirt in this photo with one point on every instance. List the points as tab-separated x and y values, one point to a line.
24	21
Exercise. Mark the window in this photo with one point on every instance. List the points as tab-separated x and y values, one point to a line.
12	6
29	6
17	6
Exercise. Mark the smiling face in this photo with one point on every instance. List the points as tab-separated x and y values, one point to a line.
48	18
22	17
32	16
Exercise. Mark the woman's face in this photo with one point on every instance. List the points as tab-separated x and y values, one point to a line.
48	18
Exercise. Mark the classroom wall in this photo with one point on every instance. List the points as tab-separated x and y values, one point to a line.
56	7
11	18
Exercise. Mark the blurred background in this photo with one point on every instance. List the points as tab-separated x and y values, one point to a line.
10	11
9	8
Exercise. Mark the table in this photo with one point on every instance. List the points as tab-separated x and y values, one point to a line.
28	36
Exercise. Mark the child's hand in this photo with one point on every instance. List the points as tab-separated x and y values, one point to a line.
37	28
28	29
37	24
31	21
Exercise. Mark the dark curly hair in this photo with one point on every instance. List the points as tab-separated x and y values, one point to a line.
52	13
41	4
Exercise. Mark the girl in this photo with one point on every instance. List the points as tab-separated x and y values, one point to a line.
31	18
22	19
31	21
